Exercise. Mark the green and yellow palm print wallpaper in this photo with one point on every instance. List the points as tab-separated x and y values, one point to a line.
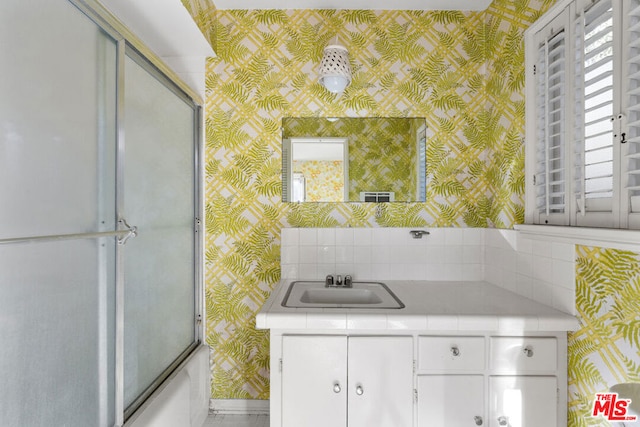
606	349
323	179
462	71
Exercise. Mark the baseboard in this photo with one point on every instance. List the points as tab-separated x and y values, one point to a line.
239	406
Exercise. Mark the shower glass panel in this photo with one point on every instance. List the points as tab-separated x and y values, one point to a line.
56	317
57	120
57	177
159	199
90	132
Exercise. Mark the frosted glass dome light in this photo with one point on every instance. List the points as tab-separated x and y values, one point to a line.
335	69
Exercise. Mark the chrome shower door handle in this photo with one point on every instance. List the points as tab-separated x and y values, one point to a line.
132	231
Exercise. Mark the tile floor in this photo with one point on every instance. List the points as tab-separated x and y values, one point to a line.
222	420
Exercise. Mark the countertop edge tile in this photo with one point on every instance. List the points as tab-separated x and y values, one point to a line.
430	306
367	321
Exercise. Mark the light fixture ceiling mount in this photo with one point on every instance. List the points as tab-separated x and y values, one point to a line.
335	69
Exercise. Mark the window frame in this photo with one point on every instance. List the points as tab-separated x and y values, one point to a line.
564	15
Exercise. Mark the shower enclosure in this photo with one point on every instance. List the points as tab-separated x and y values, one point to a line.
100	273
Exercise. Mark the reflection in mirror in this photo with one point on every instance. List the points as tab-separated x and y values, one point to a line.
378	159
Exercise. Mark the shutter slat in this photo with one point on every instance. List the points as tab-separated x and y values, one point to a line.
634	60
597	64
595	107
598	78
600	19
599	50
600	176
635	91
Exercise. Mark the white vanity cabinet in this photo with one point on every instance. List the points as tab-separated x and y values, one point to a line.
495	381
450	400
346	381
457	355
523	401
523	386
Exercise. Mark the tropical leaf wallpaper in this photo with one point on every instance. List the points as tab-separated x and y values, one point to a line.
606	349
382	151
463	72
323	179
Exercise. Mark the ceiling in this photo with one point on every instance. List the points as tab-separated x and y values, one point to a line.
355	4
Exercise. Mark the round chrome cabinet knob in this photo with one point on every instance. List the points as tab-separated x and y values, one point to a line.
455	351
359	390
336	388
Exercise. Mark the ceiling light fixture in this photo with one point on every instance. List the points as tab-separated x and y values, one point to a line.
335	69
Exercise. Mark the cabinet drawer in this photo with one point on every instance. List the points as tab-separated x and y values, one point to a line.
524	354
451	353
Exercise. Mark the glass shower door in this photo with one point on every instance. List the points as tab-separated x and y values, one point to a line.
159	199
57	192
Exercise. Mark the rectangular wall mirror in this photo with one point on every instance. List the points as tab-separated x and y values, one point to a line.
373	159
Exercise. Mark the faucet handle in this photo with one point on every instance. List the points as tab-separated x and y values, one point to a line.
348	281
328	281
339	280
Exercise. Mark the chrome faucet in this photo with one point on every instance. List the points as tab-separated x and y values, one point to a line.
338	282
328	281
348	281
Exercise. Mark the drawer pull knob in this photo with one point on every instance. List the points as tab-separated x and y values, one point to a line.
455	351
337	388
528	351
503	421
359	390
478	420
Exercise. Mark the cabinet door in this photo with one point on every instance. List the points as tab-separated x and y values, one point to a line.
519	401
450	400
314	381
380	381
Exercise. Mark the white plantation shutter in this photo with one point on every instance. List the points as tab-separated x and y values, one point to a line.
631	148
550	159
584	150
594	120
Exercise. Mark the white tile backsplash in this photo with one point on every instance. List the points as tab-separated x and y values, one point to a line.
308	236
362	236
327	236
537	269
344	237
544	270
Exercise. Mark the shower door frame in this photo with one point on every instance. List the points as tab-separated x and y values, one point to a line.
129	44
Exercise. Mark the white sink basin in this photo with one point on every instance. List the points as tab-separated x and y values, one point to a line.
362	295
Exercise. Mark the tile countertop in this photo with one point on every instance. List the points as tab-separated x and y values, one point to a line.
429	306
